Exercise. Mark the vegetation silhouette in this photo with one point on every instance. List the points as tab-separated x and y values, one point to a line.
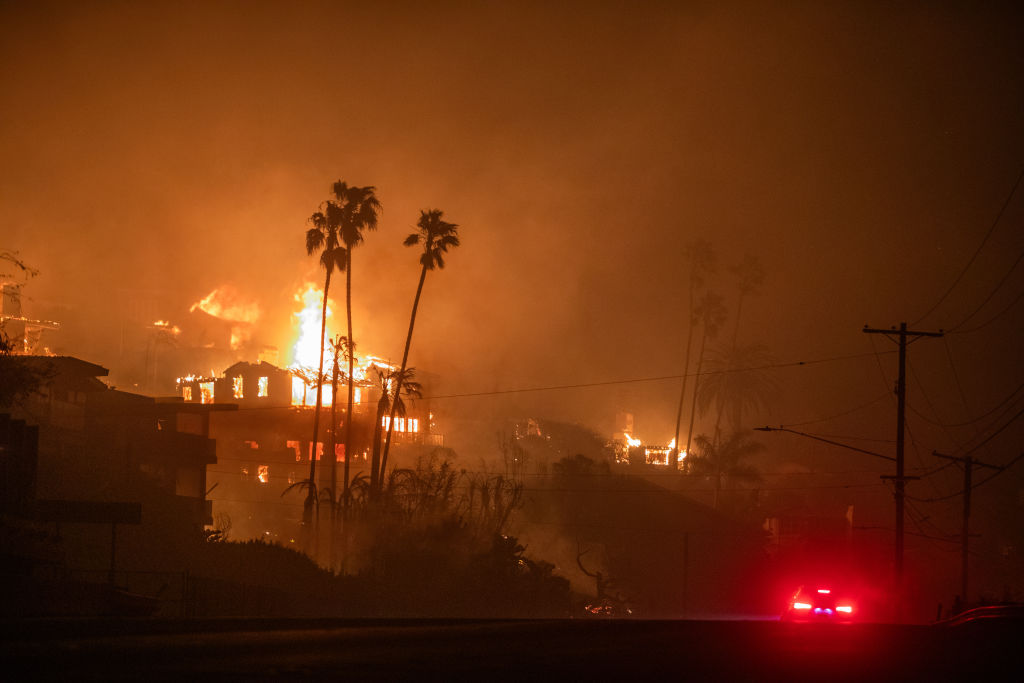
436	236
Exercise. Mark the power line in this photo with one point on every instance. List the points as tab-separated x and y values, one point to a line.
995	433
842	414
977	251
977	419
991	320
999	285
659	378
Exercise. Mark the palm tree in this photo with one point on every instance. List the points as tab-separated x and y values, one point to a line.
735	382
437	237
359	209
725	458
340	349
323	237
703	261
750	274
410	389
711	313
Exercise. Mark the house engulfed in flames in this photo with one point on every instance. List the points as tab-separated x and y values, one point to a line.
630	450
266	445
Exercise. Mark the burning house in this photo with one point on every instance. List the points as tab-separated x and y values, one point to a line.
266	445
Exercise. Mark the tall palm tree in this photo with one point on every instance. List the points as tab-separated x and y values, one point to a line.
322	237
750	275
359	208
340	349
437	237
387	381
703	261
711	313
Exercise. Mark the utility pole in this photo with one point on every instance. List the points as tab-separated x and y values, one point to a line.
900	335
968	463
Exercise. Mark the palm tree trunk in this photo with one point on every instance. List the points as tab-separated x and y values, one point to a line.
348	411
682	391
696	386
307	508
375	457
333	457
401	374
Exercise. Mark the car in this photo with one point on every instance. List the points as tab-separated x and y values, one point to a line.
820	603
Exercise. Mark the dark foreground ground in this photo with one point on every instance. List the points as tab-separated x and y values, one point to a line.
236	650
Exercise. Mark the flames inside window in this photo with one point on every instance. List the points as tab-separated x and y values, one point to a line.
262	386
263	474
237	387
206	392
295	446
186	393
401	424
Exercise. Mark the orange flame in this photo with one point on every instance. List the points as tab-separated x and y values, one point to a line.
225	303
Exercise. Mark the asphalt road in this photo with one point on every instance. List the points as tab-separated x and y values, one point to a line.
229	650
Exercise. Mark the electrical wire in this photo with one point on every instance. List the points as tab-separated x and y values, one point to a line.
984	241
842	414
999	285
991	320
660	378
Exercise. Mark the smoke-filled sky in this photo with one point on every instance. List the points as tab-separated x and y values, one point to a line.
860	151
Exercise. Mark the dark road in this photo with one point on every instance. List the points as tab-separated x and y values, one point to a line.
508	650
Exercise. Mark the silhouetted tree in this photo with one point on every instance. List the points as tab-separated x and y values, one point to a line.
711	313
359	209
437	236
750	276
322	238
721	458
388	382
736	381
702	260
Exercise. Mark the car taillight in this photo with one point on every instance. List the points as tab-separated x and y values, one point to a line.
801	605
844	608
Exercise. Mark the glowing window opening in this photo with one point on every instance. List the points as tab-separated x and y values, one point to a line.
186	392
206	392
263	474
262	387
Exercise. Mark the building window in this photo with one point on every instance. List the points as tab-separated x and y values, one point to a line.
339	452
357	397
400	424
186	392
295	446
206	392
263	474
236	387
262	386
252	444
414	424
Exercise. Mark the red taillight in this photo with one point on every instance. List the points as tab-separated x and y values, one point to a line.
844	608
801	605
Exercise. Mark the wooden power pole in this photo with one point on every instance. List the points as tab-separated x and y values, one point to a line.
900	337
968	463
